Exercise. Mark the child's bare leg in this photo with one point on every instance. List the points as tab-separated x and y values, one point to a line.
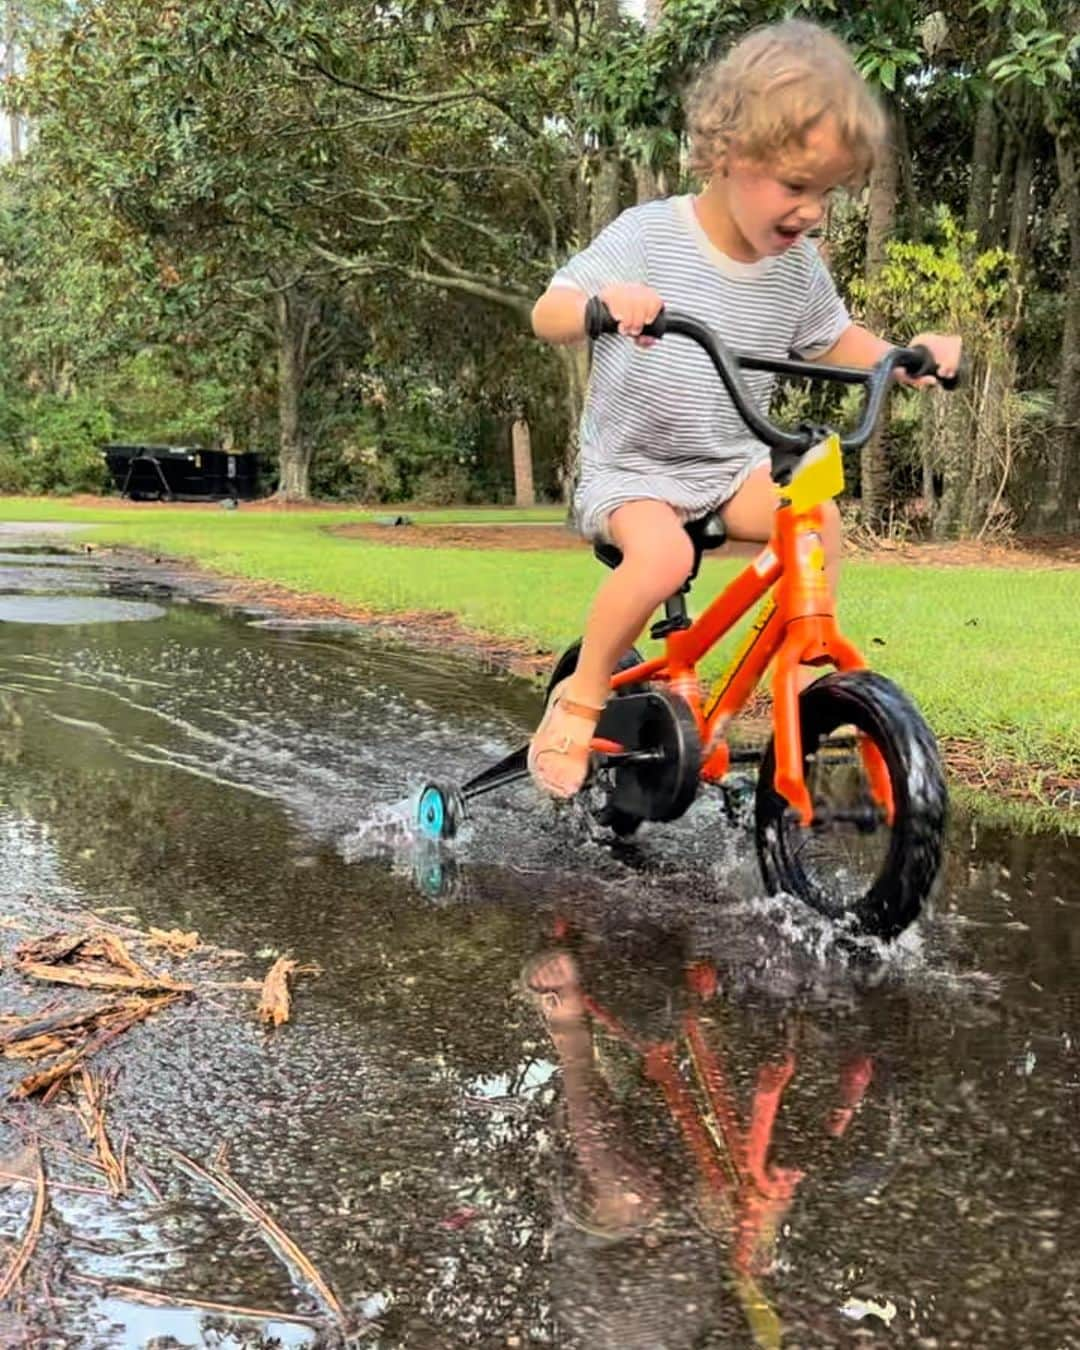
622	1193
657	558
749	516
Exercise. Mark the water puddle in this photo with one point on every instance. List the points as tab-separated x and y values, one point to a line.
68	609
544	1091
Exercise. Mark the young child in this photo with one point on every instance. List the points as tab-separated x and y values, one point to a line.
775	127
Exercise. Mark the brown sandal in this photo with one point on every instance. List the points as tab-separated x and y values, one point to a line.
567	747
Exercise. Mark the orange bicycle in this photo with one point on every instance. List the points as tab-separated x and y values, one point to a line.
850	804
743	1194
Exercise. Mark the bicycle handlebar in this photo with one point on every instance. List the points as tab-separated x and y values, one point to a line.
916	361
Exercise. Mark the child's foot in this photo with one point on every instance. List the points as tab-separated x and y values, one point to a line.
552	981
559	750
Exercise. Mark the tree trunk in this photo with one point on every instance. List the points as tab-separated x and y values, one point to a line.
1060	505
649	181
575	363
1003	192
11	21
521	442
1023	183
983	157
604	205
296	314
906	174
648	184
881	219
605	169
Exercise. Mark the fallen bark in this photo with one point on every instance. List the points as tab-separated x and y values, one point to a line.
91	1111
275	1005
26	1246
175	942
49	1079
84	978
104	962
64	1020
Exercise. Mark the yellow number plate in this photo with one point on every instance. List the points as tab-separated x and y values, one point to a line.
820	475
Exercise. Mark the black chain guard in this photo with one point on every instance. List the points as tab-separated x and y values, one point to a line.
653	719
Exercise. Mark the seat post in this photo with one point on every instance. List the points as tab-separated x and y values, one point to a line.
705	533
675	618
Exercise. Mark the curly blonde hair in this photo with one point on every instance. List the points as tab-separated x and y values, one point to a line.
774	87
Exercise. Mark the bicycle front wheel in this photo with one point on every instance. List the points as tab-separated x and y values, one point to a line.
850	863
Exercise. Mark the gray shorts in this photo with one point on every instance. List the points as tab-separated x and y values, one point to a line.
603	490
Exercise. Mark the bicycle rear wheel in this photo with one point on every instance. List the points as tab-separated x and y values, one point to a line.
851	864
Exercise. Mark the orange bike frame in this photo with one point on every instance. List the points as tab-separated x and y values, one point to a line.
795	627
733	1158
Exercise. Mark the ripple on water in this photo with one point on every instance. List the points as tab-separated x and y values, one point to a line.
73	609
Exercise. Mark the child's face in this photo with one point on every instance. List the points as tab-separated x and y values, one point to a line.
773	204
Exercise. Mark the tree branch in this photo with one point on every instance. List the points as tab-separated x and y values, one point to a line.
460	272
519	303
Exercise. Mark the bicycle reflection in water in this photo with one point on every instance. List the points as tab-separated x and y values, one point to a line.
665	1215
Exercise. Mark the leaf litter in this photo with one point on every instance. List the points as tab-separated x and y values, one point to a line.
59	1039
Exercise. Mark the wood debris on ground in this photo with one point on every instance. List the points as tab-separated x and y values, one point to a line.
174	940
93	960
275	1001
12	1272
91	1097
116	967
238	1199
160	1298
110	1025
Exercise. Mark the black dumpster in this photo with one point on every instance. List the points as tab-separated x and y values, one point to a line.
182	473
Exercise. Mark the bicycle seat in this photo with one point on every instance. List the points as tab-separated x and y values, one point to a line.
705	533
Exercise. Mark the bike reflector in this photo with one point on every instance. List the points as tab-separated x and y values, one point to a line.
820	475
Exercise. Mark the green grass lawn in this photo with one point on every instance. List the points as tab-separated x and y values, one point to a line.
988	654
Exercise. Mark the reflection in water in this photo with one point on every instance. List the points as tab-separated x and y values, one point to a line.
827	1166
650	1239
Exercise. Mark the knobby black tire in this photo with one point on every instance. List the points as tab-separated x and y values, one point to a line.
905	879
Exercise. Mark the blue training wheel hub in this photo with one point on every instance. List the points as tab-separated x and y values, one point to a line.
436	812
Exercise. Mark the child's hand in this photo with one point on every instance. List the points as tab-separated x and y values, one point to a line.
945	350
634	306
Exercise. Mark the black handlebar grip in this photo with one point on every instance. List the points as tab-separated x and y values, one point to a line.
599	320
928	366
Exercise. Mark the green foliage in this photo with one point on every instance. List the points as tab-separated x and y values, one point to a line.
414	175
944	284
971	442
56	448
155	399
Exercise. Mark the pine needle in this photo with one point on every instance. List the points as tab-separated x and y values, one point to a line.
234	1194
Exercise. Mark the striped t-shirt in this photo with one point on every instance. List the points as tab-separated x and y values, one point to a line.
658	422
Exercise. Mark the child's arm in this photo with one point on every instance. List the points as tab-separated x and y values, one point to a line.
559	315
857	346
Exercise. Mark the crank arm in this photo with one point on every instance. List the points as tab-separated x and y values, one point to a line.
630	757
510	769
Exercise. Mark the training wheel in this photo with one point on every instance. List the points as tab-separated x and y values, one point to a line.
435	872
439	811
